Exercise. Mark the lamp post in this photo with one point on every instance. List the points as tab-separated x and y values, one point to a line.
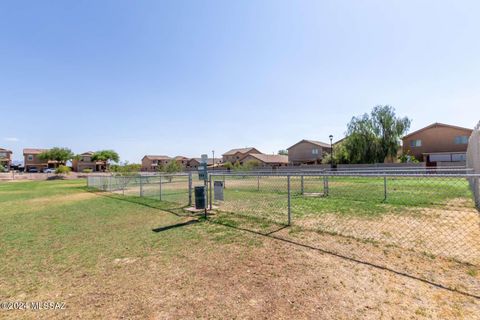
213	154
331	151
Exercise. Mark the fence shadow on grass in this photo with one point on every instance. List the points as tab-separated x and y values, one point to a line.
271	235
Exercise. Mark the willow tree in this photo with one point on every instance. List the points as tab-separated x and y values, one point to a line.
371	138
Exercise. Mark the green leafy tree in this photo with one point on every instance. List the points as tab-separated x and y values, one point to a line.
106	156
61	155
408	158
2	168
173	166
228	165
372	138
62	170
283	152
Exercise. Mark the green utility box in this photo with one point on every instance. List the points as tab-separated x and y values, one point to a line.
200	197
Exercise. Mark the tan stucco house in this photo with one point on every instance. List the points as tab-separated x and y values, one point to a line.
307	152
150	163
5	158
235	155
84	161
266	160
32	161
438	143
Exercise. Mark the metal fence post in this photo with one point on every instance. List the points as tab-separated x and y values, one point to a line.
384	187
189	188
325	185
258	182
302	185
210	190
160	188
141	186
289	201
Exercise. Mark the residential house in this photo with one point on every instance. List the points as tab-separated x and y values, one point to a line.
151	163
84	161
266	160
235	155
307	152
33	162
438	143
193	163
182	161
5	158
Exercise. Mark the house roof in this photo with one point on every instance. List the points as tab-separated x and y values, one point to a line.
180	158
33	151
314	142
209	160
241	150
268	158
5	150
88	153
157	157
436	124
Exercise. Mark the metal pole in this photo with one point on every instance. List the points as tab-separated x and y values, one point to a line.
325	185
160	187
289	202
301	184
385	187
258	182
190	189
205	196
141	186
210	190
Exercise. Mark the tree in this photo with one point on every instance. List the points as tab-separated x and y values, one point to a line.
173	166
105	156
61	155
62	170
228	165
283	152
2	168
372	138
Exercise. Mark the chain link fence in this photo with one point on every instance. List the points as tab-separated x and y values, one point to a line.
428	212
432	213
170	188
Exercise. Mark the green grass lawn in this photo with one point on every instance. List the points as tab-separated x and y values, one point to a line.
50	228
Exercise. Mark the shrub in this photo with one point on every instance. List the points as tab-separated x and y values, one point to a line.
87	170
62	170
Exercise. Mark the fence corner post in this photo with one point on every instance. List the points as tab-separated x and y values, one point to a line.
289	201
141	186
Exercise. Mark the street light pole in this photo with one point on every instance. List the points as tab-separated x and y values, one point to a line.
213	153
331	151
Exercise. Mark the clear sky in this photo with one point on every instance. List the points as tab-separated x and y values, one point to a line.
187	77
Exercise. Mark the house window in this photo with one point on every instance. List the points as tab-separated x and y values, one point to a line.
461	140
314	151
415	143
30	157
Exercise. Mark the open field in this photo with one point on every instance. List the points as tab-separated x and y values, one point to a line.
97	253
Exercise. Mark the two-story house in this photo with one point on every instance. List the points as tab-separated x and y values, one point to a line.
5	158
235	155
34	163
84	161
308	152
266	160
438	142
151	163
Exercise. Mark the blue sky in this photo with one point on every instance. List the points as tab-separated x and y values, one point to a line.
187	77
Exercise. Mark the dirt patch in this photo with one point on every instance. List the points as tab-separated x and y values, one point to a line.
273	280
